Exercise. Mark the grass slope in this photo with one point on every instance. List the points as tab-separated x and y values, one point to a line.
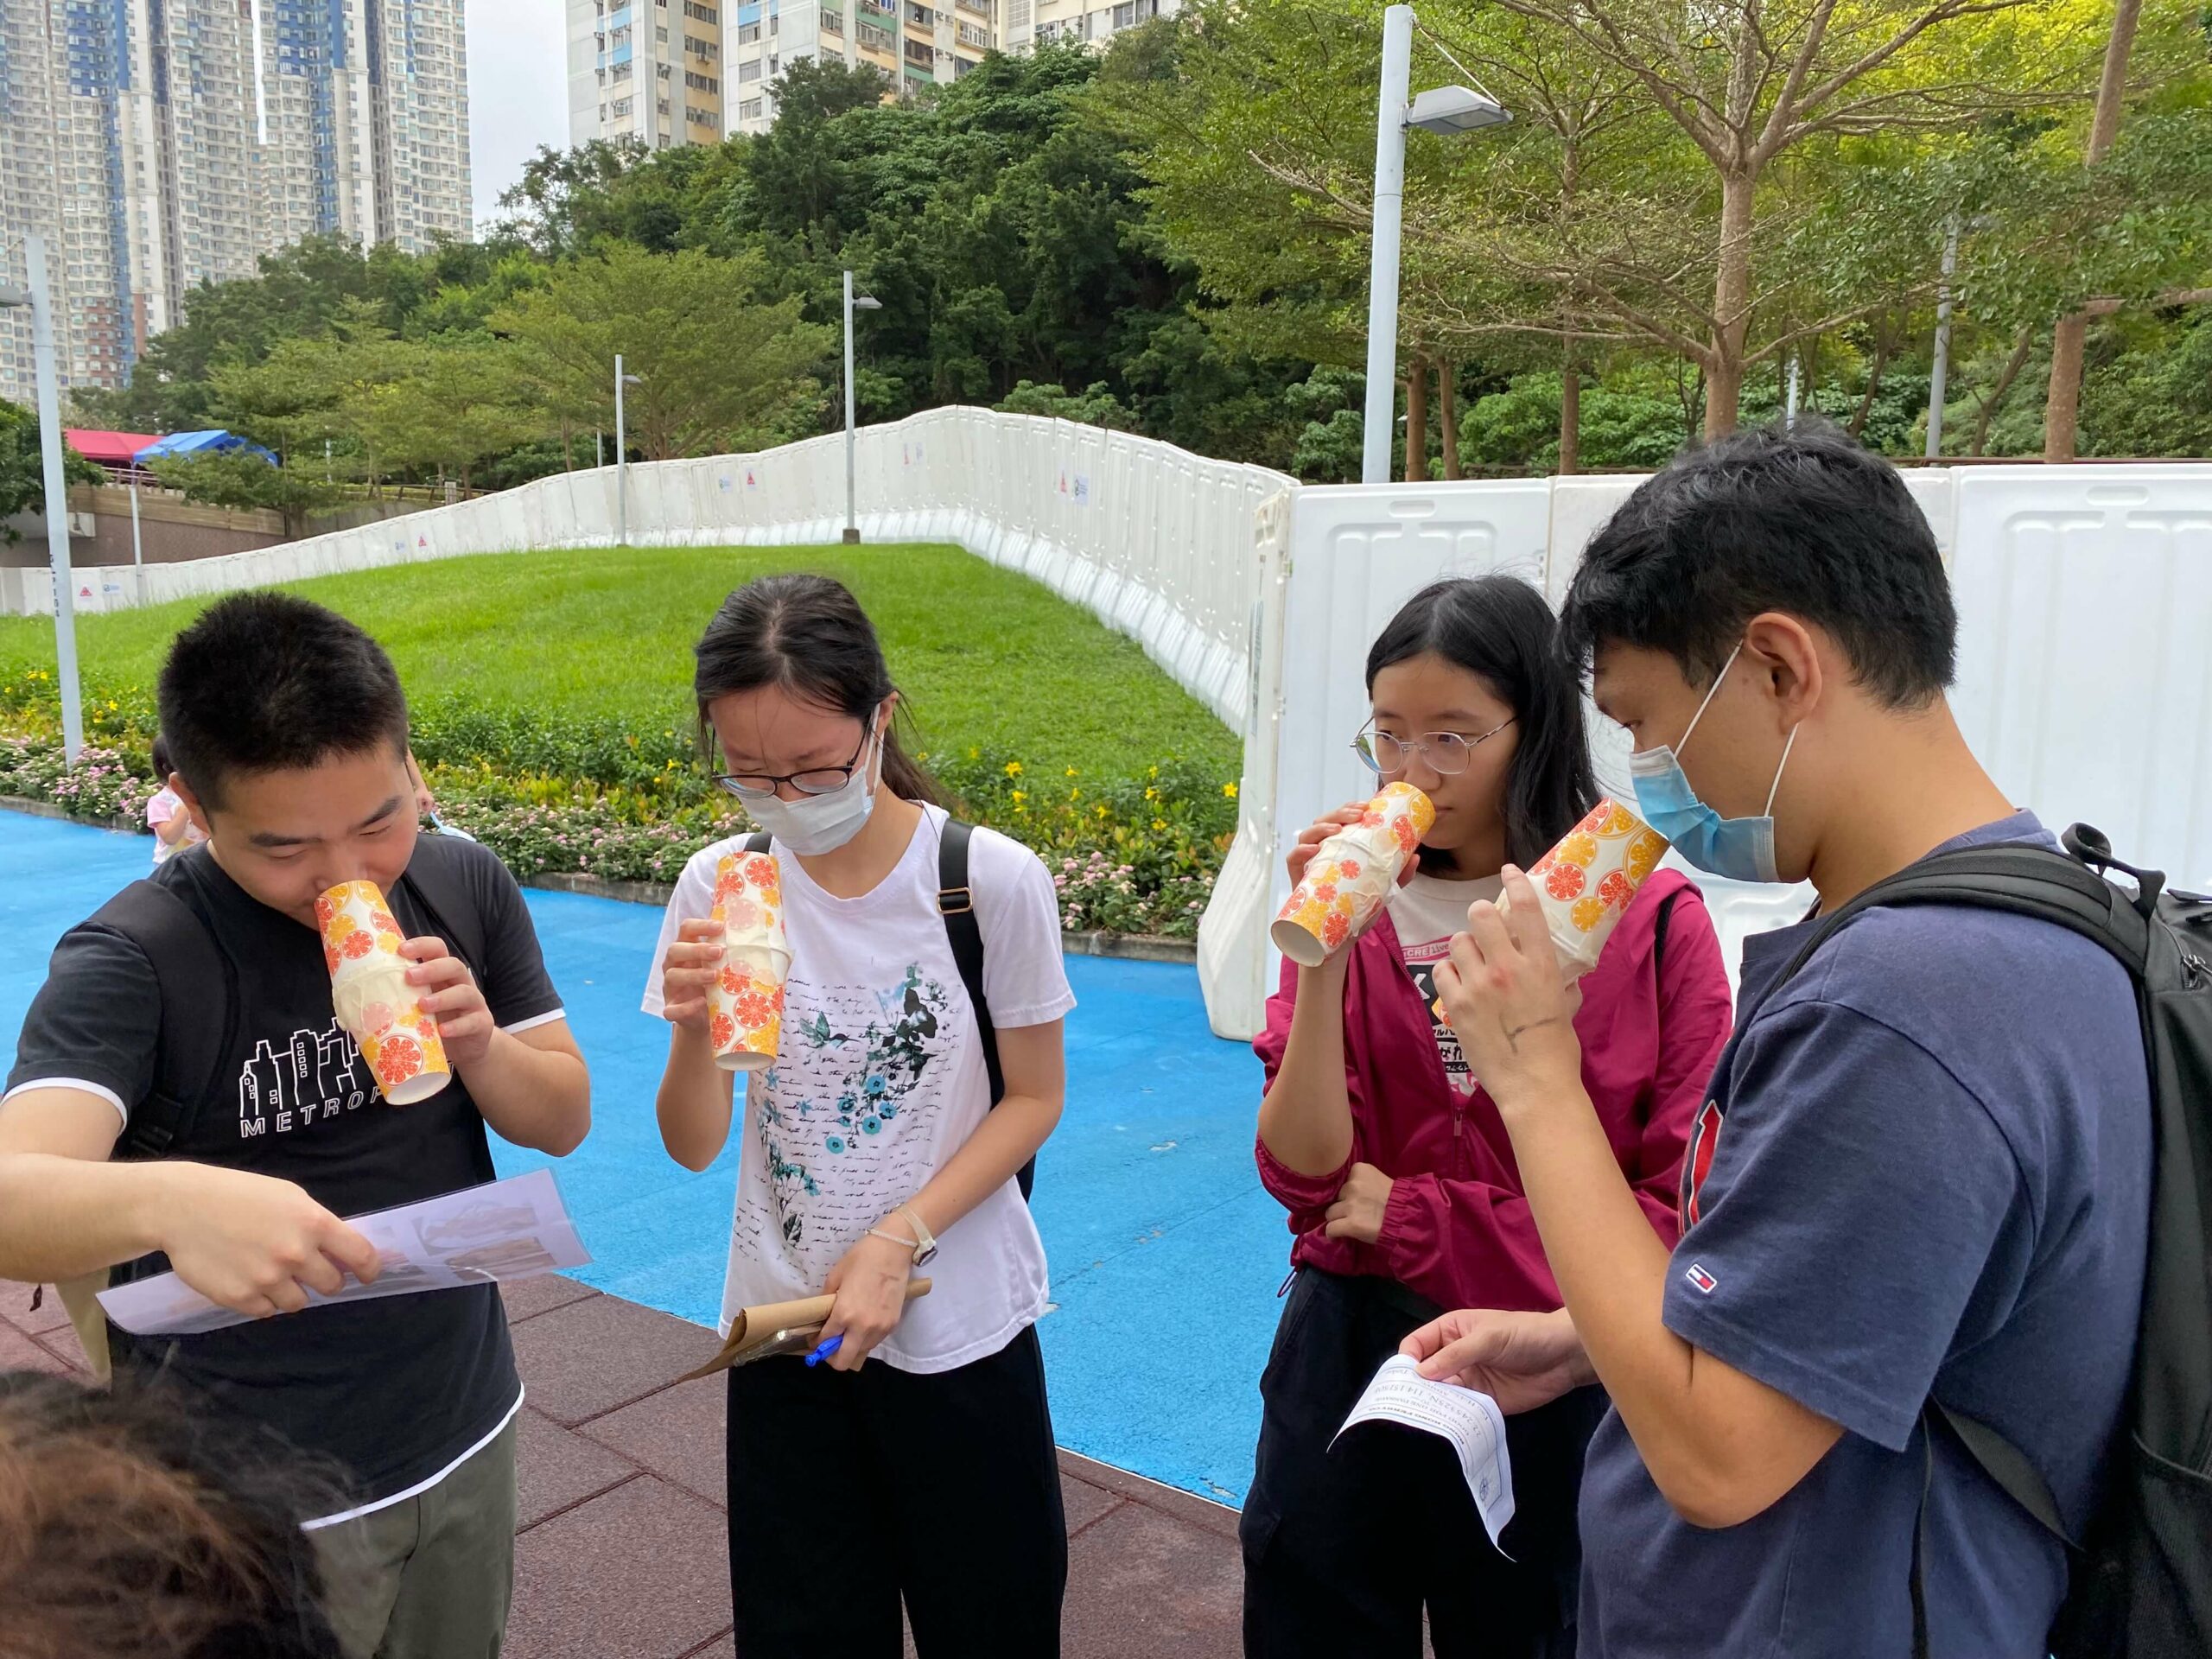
987	658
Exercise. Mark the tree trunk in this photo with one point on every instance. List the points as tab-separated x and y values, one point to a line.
2013	364
2062	405
1882	349
1417	422
1570	411
1447	408
1732	293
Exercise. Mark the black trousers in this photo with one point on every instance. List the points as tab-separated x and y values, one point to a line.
1344	1550
851	1491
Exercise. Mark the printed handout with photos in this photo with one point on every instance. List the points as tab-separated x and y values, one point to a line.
515	1228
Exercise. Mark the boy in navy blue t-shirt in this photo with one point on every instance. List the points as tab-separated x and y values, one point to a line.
1923	1172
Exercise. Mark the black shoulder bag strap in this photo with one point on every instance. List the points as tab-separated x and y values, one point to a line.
198	1003
956	902
1659	933
447	906
2048	885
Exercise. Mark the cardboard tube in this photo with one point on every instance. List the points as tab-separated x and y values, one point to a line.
1352	876
369	995
745	1008
755	1327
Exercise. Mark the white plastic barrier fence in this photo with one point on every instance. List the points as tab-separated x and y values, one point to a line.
2085	598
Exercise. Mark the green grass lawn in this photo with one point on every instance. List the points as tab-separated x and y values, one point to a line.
987	659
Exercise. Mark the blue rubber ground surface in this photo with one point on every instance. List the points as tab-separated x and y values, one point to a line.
1166	1254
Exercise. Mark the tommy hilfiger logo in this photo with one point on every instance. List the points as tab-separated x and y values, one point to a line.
1704	1282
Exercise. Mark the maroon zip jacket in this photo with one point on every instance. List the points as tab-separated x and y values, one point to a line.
1459	1229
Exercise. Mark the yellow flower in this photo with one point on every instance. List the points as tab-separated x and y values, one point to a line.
1019	798
1071	772
1075	794
1159	824
1155	773
1013	768
1102	811
1152	794
975	754
1229	790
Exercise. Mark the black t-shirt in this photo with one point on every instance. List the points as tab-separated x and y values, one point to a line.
397	1388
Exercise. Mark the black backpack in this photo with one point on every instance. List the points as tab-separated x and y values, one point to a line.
956	902
2142	1577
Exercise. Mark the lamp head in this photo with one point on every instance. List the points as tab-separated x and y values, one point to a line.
1455	109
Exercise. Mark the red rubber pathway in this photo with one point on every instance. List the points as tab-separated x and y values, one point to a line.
620	1552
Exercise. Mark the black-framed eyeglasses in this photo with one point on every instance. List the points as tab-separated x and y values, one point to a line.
1446	752
816	780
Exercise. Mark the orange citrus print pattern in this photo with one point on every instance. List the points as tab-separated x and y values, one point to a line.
1597	866
747	1007
400	1043
1354	870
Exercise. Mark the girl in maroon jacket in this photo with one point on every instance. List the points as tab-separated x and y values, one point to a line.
1399	1178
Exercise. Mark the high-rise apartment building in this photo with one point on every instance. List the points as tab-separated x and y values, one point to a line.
651	70
1027	23
157	143
916	43
364	113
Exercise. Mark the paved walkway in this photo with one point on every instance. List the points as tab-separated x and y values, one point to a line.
620	1552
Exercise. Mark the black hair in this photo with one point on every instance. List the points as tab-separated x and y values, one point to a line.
1802	522
143	1523
1500	629
267	682
163	766
809	635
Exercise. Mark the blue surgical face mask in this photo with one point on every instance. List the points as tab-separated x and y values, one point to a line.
1741	849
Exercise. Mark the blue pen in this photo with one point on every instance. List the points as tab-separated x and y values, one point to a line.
825	1351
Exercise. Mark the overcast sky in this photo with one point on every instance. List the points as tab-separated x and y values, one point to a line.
518	91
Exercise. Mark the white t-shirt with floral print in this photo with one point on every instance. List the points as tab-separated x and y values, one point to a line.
880	1080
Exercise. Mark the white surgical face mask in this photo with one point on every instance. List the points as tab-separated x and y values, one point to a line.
821	823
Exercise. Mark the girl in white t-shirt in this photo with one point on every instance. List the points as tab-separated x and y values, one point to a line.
871	1152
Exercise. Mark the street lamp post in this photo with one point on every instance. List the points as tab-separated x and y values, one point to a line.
1941	371
622	455
1443	109
39	297
853	302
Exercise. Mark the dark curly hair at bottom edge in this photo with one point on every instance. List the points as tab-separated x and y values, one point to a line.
143	1524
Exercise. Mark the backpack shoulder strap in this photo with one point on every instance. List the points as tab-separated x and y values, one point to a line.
437	885
2027	880
759	843
189	969
956	902
1659	933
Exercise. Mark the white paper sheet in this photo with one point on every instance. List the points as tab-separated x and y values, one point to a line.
515	1228
1469	1419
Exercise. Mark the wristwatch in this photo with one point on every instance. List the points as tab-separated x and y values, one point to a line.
925	1242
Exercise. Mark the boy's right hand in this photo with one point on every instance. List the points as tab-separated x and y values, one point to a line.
255	1244
689	974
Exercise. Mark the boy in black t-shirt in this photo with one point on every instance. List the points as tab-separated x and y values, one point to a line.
288	730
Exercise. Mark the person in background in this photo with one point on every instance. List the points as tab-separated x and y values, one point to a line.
136	1525
426	804
1399	1178
916	1466
1922	1174
174	827
287	727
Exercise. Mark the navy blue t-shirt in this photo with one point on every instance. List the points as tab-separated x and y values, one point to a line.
1925	1169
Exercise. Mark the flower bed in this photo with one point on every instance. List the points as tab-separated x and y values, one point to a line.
1126	856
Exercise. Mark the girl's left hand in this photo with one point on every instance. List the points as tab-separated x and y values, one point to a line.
870	1288
1361	1204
